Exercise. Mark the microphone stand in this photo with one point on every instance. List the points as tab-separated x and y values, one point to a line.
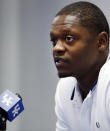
3	119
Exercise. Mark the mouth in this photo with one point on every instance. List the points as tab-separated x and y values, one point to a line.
60	62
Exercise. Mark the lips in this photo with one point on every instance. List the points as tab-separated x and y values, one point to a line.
60	62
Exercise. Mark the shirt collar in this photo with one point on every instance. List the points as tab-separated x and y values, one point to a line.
76	93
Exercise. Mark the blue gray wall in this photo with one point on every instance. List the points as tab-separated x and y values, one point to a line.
26	64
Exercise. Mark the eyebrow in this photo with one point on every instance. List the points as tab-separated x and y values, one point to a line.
63	32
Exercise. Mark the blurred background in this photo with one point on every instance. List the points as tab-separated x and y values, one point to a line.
26	63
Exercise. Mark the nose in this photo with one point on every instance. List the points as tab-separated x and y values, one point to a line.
59	48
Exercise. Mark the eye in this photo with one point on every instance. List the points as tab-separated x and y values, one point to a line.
54	41
69	38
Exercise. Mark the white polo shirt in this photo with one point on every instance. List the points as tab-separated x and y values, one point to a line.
92	114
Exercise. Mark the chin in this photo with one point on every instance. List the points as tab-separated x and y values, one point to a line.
62	75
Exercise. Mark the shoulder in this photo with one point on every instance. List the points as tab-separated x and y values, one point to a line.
104	78
66	84
62	102
104	73
103	86
104	82
65	88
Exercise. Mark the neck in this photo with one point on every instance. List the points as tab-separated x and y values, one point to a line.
86	85
87	82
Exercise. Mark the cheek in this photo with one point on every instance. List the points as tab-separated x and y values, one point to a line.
76	53
77	59
80	56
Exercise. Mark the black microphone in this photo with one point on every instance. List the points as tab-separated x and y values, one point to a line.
10	107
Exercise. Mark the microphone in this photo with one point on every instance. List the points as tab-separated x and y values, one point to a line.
10	107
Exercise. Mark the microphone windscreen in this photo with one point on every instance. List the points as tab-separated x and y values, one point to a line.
11	104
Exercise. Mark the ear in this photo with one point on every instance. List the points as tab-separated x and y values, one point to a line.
102	41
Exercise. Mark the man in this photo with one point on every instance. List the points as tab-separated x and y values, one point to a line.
80	38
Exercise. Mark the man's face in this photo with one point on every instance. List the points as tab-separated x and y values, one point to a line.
74	48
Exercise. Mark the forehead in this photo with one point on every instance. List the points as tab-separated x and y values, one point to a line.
65	24
65	19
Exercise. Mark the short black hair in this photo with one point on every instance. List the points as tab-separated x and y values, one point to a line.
90	16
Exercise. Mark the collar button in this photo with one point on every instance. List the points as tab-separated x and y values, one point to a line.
98	124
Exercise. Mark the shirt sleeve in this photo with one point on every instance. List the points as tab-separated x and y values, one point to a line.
61	124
